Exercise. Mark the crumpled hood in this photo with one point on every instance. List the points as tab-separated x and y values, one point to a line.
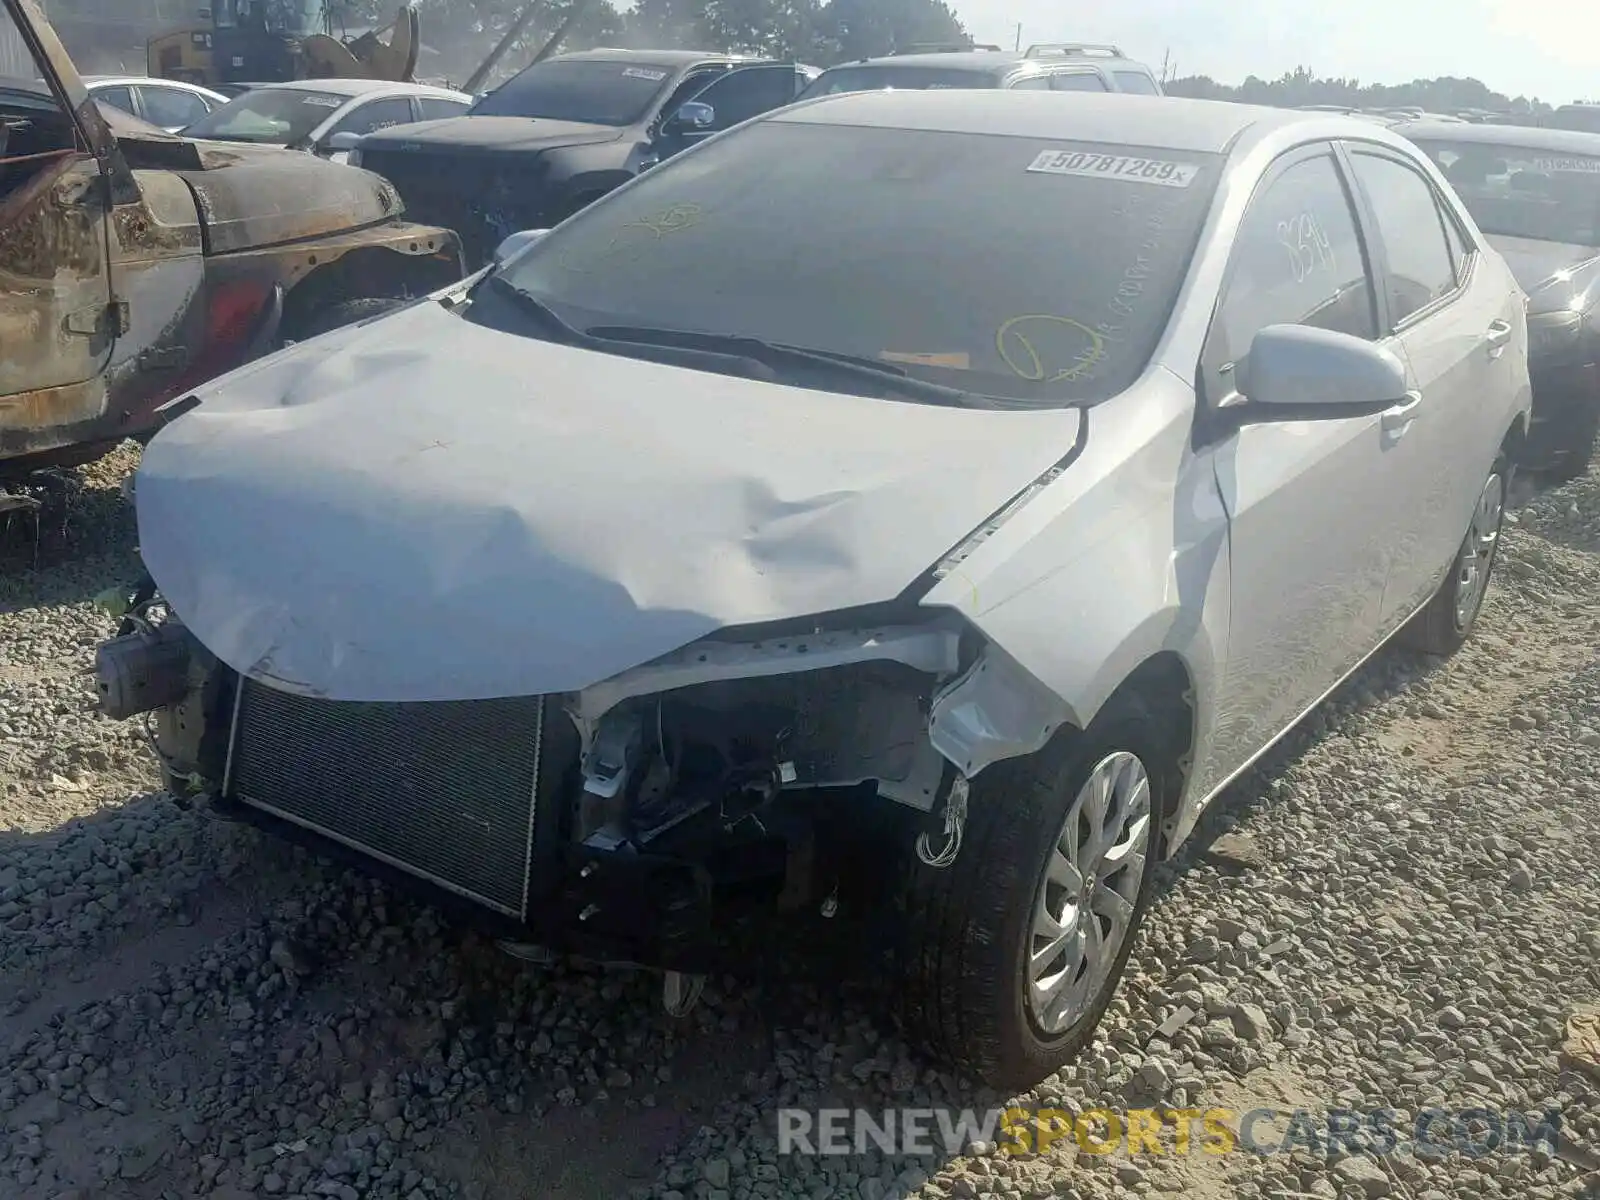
1554	274
489	134
424	509
253	196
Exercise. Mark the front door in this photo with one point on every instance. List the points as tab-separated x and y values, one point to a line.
57	323
1455	337
1309	529
736	97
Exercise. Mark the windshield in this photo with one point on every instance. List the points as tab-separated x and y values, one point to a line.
1025	271
273	116
1519	191
872	78
588	91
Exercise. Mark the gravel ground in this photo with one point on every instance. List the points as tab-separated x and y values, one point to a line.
1400	909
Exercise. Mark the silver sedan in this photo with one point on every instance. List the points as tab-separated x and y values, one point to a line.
957	489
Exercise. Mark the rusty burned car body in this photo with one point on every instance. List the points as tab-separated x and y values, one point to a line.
135	264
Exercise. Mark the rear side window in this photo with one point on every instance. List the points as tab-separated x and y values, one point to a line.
1030	83
169	107
1298	261
1411	228
116	97
1077	81
1136	81
434	109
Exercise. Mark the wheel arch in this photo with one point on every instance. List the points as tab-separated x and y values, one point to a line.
365	271
1164	683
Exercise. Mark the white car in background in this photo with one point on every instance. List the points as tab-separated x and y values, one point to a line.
164	102
325	116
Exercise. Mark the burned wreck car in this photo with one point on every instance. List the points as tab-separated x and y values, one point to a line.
1536	194
834	550
135	264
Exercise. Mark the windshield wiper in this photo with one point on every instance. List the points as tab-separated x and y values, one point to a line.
890	377
672	355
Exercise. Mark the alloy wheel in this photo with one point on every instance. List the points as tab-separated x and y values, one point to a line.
1085	903
1477	551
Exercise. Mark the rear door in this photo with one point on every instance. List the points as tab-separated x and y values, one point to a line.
57	323
1454	326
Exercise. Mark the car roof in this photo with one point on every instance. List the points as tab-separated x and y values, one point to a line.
672	59
989	62
351	88
1170	122
145	80
1531	137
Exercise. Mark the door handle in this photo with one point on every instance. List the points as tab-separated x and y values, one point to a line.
1395	420
1497	338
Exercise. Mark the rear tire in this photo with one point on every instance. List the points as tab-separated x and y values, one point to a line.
973	992
1444	626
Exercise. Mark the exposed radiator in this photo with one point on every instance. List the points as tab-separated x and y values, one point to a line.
445	791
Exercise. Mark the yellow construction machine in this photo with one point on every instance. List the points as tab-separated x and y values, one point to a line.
271	41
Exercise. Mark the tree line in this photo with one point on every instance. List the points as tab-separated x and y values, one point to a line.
459	33
1447	94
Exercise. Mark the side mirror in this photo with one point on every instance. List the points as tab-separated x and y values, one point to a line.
345	140
1299	373
692	117
515	244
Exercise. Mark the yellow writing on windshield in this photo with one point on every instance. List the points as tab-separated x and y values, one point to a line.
672	219
1017	342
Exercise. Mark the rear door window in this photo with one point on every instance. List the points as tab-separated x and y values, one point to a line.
171	107
1077	81
117	97
376	115
1136	81
433	108
1411	228
1298	260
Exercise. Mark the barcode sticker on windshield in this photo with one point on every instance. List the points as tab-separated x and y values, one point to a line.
649	73
1552	166
1112	166
322	101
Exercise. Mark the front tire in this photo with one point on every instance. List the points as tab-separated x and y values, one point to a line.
1444	625
1011	955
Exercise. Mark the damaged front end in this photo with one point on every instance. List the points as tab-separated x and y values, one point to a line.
637	820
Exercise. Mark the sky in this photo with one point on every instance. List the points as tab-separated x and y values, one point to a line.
1549	49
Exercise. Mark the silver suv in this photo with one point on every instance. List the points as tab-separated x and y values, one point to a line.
1056	66
932	545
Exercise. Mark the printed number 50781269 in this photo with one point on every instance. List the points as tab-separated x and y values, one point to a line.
1160	171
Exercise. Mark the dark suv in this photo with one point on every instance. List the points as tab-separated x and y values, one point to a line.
566	131
1059	67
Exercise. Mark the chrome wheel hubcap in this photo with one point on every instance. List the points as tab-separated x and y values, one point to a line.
1085	902
1477	552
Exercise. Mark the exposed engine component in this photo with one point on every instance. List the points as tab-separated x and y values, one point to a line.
726	750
